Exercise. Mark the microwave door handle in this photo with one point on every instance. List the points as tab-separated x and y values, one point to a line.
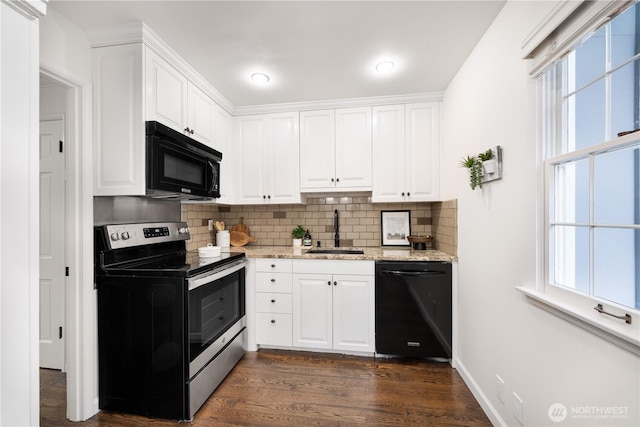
214	175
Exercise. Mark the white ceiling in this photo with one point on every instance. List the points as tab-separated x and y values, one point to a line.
312	50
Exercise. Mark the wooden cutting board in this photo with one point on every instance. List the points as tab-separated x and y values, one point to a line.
241	227
238	238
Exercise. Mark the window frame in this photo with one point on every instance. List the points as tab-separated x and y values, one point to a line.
570	304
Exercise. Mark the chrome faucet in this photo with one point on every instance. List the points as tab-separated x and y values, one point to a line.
336	228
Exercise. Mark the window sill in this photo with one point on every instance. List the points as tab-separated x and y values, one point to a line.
628	339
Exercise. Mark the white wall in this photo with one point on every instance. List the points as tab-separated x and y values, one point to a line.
19	320
65	55
64	47
541	358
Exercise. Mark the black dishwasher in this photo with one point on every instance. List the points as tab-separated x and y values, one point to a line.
413	308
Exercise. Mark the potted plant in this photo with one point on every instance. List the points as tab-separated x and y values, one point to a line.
488	161
476	171
297	234
477	167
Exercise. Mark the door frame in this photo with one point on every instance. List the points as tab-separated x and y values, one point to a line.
80	298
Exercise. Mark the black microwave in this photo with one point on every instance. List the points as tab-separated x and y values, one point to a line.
178	166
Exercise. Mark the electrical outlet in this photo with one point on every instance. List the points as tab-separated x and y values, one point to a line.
500	390
210	225
518	409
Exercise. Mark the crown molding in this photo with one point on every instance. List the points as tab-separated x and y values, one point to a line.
30	9
139	32
338	103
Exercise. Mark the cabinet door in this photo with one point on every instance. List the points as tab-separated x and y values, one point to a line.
353	313
250	165
119	135
283	158
423	151
353	148
389	174
222	143
166	93
201	116
317	149
312	307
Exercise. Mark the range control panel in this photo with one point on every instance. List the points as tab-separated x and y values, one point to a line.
138	234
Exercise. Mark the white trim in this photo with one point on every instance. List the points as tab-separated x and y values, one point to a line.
492	413
615	333
338	103
30	9
553	20
569	29
80	312
139	32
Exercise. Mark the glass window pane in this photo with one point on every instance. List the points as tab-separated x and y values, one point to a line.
616	262
572	192
585	115
616	187
623	36
589	59
624	87
571	257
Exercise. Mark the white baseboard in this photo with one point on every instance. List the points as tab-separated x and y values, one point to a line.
482	399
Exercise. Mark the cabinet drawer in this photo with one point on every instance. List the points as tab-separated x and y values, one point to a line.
274	329
273	265
273	303
274	282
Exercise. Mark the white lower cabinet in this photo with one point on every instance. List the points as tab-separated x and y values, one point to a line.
273	302
333	305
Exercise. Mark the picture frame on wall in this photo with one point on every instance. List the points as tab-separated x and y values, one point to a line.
395	227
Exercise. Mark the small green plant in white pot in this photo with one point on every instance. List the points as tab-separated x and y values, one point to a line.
477	167
297	234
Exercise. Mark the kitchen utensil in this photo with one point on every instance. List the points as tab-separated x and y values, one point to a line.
219	225
222	238
421	243
209	251
239	238
241	227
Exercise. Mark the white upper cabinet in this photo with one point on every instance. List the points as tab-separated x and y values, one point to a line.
166	93
267	164
178	103
201	116
118	120
406	153
335	150
132	85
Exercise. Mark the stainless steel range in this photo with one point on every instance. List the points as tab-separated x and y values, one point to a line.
171	325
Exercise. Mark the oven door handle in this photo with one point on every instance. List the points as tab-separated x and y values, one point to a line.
212	276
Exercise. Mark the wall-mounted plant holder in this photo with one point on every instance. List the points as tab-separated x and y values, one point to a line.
485	167
493	166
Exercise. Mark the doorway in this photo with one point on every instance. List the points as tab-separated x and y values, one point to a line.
69	100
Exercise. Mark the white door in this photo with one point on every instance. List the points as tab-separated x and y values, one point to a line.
312	309
317	149
353	313
353	148
283	158
52	248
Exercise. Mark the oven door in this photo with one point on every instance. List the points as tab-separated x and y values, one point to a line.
216	313
173	168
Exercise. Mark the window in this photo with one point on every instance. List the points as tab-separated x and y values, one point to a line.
590	100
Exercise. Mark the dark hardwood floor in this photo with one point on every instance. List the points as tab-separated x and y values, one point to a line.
286	388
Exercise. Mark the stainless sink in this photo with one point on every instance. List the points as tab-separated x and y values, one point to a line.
336	251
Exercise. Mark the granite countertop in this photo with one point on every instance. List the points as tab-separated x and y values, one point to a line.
371	254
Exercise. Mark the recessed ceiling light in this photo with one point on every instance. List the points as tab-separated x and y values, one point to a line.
260	78
385	66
